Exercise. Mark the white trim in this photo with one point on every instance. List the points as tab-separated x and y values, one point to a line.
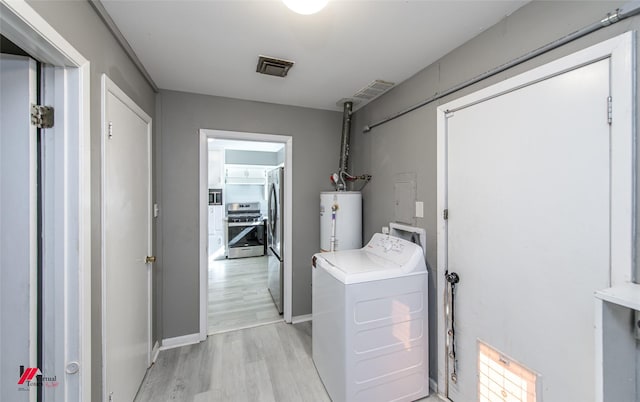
203	202
599	349
27	29
178	341
247	326
301	318
155	352
203	220
108	86
441	244
620	51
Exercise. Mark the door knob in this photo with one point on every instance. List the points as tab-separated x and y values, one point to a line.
150	259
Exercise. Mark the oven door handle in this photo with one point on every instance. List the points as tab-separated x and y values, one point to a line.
236	224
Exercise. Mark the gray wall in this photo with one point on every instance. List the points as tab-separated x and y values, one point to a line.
316	146
80	25
408	144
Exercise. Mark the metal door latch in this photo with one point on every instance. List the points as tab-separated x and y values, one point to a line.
452	278
150	259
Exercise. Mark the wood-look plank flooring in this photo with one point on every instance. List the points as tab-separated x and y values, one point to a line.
238	295
265	363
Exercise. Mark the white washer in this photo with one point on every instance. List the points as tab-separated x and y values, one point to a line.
370	322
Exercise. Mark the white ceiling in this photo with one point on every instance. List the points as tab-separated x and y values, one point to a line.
212	46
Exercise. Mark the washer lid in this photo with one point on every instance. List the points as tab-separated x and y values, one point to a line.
383	257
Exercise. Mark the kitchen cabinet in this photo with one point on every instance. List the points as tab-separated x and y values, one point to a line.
216	232
216	168
245	175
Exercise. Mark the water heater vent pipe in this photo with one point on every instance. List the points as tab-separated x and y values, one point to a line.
340	179
344	145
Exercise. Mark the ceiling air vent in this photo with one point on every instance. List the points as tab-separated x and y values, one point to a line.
374	89
273	66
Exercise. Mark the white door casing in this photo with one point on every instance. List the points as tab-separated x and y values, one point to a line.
68	236
531	183
18	230
203	203
127	241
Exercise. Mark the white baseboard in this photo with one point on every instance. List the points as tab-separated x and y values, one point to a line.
301	318
178	341
154	352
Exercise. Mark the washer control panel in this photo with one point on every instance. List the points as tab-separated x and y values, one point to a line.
388	243
393	248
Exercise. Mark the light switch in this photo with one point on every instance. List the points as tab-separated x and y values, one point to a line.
419	209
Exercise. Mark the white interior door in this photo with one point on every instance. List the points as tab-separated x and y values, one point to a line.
127	243
18	217
528	181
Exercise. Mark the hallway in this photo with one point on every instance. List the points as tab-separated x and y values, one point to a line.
265	363
238	295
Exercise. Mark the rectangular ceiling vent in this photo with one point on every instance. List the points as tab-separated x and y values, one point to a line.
374	89
272	66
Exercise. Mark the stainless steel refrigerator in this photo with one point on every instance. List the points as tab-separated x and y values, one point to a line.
275	230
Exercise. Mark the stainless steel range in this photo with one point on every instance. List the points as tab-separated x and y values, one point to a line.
245	230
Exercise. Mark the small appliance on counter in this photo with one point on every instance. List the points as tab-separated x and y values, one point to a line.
245	230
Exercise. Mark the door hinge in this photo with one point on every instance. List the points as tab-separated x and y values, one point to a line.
110	132
445	214
609	110
42	116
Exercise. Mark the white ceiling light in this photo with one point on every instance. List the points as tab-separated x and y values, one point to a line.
305	7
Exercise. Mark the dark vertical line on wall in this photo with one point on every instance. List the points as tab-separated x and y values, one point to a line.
39	233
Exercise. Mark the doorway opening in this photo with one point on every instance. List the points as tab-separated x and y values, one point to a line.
244	283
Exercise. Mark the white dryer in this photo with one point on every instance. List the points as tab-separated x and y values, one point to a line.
370	322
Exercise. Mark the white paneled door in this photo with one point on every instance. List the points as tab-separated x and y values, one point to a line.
126	243
18	229
528	233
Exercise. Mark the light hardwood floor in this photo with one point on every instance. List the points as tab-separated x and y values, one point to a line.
266	363
238	295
